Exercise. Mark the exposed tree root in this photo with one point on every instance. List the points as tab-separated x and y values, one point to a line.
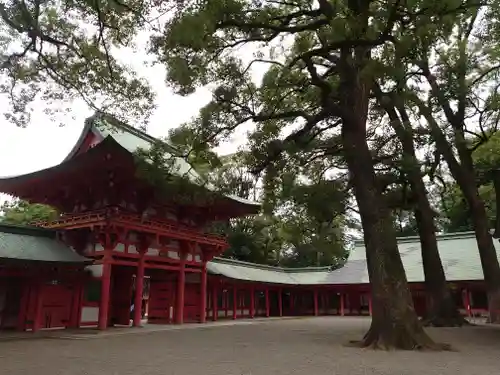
399	339
437	321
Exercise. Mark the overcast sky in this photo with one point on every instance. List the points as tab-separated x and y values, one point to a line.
43	143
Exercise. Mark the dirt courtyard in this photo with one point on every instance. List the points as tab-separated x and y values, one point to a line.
309	346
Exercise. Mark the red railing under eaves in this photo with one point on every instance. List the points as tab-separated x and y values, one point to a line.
168	228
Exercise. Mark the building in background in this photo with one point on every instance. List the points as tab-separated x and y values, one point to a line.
119	231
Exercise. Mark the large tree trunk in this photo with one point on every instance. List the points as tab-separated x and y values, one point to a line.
394	321
464	175
487	252
441	309
463	172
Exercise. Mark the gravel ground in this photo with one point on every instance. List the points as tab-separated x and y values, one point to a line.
312	346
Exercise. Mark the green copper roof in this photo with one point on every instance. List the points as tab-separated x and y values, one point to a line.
34	244
458	251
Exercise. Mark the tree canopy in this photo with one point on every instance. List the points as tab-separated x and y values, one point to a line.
58	50
20	212
382	110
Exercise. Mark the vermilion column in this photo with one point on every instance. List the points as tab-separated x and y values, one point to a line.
139	290
215	303
466	301
242	302
235	302
203	294
21	320
76	305
370	303
280	302
267	302
252	302
316	311
341	304
37	318
181	281
105	290
324	302
226	303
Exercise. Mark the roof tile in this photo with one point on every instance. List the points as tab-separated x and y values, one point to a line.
33	244
459	255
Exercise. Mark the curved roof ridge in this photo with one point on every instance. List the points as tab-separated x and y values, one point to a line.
87	125
246	264
132	139
271	268
18	243
458	252
440	236
113	121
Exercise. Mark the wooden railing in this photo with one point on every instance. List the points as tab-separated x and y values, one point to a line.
168	228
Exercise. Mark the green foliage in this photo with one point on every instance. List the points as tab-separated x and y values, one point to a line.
454	206
198	155
171	177
58	50
23	213
315	57
302	224
257	239
314	222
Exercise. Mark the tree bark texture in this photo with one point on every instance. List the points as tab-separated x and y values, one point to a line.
464	175
463	172
394	321
441	310
395	324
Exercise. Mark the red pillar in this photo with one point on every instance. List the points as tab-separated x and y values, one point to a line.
105	290
203	294
370	303
215	303
280	302
76	305
324	303
252	302
242	302
139	290
267	302
181	281
316	312
37	318
235	302
22	318
226	303
342	304
466	301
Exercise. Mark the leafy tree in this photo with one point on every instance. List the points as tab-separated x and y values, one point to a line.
441	310
405	223
458	94
313	223
204	160
257	239
322	59
59	50
23	213
454	206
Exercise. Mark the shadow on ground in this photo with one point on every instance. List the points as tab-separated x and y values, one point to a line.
312	346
